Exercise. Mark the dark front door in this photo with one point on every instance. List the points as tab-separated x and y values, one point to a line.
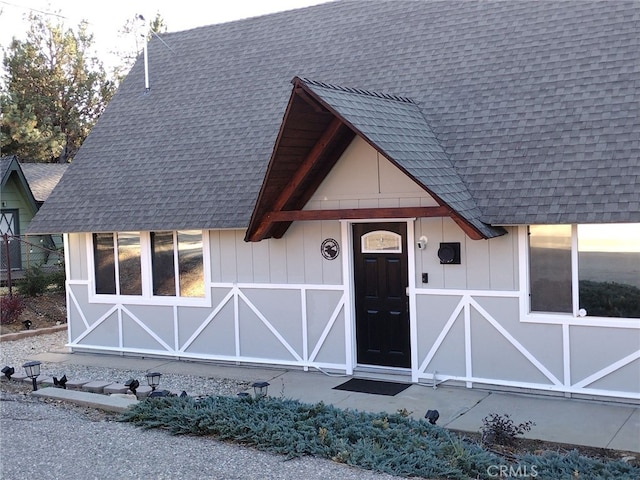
382	306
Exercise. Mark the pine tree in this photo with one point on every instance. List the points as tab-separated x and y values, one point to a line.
53	92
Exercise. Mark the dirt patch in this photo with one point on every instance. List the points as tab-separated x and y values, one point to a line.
47	310
524	446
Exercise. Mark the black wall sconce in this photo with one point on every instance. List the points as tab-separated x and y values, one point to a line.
449	253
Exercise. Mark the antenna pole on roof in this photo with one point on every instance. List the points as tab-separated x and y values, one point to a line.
143	34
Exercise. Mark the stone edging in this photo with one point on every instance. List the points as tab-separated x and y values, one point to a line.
8	337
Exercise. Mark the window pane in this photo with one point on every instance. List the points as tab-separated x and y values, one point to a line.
609	270
550	268
190	264
105	267
381	241
129	263
164	280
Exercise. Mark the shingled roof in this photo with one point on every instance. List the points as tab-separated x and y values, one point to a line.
393	125
533	103
43	177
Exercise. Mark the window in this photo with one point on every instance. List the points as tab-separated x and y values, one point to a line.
185	248
105	265
125	266
602	260
129	267
381	241
175	258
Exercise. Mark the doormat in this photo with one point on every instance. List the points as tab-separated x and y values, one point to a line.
375	387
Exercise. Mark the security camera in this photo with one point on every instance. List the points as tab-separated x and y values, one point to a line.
422	243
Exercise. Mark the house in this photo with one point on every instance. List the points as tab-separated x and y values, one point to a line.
24	188
435	191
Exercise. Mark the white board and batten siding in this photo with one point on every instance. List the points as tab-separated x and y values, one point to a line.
279	302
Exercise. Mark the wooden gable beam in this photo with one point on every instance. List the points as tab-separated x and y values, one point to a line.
358	213
471	232
299	177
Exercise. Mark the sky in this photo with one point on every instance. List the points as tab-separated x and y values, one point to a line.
106	18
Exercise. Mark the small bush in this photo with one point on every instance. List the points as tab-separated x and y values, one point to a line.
35	282
11	306
500	429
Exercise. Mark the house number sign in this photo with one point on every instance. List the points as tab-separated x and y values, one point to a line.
330	249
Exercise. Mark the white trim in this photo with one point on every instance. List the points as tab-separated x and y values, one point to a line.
413	304
566	355
236	320
67	275
207	321
116	263
378	220
443	333
144	327
514	342
468	358
567	319
575	285
305	327
268	324
348	286
607	370
327	330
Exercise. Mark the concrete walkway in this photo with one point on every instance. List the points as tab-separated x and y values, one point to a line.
557	419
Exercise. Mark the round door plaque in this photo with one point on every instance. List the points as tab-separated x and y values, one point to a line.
330	249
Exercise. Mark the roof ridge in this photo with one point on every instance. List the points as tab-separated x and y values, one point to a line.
360	91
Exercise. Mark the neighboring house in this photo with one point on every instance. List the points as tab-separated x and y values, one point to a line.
24	188
440	191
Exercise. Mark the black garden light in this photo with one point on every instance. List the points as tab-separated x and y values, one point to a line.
153	379
32	370
260	389
8	371
432	416
61	383
27	324
132	384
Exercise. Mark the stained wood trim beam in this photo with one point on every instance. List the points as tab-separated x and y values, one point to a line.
301	174
357	213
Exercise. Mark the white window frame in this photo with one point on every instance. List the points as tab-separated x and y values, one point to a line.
147	297
573	318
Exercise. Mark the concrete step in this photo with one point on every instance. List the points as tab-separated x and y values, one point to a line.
110	403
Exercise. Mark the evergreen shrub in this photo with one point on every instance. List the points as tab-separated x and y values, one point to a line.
382	442
35	282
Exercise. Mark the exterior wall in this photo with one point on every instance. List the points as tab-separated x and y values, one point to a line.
13	197
280	302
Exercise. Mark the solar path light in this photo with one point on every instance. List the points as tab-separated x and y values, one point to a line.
32	370
153	379
260	389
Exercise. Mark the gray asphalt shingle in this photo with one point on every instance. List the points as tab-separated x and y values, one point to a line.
534	103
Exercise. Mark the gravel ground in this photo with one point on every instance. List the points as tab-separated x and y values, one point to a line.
55	440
